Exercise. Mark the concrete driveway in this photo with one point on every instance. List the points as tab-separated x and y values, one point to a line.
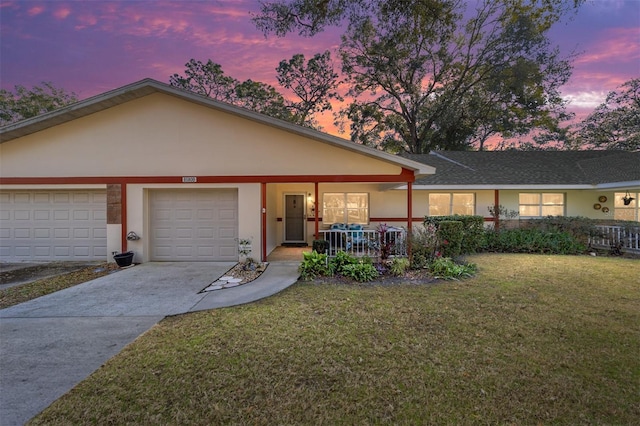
52	343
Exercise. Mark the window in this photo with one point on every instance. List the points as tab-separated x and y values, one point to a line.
541	204
345	207
445	204
630	211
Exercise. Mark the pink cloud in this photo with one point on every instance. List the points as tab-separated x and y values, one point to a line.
85	21
616	45
62	13
35	10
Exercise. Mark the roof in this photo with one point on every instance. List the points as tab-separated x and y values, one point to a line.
149	86
509	169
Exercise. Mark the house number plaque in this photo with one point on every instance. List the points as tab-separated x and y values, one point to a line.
189	179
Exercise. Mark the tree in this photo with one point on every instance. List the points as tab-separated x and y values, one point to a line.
25	103
206	79
435	74
262	98
314	85
312	82
615	124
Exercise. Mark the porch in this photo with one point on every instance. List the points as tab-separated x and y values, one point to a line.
287	254
391	241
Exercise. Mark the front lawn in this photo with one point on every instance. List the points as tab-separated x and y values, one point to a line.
532	339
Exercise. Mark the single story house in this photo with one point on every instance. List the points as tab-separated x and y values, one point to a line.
175	176
533	184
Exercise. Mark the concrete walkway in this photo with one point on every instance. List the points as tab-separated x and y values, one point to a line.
52	343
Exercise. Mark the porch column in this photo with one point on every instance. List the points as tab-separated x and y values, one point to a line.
263	216
496	209
409	216
315	204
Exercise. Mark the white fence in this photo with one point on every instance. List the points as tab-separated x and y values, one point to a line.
617	238
366	242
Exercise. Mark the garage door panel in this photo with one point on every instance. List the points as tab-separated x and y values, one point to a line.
42	252
23	252
81	198
41	215
226	232
22	197
227	251
205	252
81	251
53	225
63	251
207	232
61	198
61	232
81	233
80	215
184	252
186	224
42	233
22	215
22	233
99	233
62	215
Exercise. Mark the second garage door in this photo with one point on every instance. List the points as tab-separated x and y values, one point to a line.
42	225
194	224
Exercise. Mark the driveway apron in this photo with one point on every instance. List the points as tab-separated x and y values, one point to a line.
50	344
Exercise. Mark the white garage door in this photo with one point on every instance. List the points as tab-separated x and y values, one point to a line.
194	224
53	225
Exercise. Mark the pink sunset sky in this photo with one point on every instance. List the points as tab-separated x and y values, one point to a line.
90	47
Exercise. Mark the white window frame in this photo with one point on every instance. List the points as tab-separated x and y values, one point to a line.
540	205
345	207
630	212
451	204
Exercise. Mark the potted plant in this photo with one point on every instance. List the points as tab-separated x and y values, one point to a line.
123	259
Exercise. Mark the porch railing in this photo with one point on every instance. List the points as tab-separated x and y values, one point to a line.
617	238
370	243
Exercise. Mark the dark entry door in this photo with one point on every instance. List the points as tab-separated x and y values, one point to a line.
294	218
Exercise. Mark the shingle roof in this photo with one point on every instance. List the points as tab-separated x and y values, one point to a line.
530	167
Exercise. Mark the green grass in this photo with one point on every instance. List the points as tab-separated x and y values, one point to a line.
530	340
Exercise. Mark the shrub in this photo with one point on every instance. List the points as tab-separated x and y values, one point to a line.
399	266
342	259
314	264
423	246
361	272
532	240
580	228
473	230
446	268
450	236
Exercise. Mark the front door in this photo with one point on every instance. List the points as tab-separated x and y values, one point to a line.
294	218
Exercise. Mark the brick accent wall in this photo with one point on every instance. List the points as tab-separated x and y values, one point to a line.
114	204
